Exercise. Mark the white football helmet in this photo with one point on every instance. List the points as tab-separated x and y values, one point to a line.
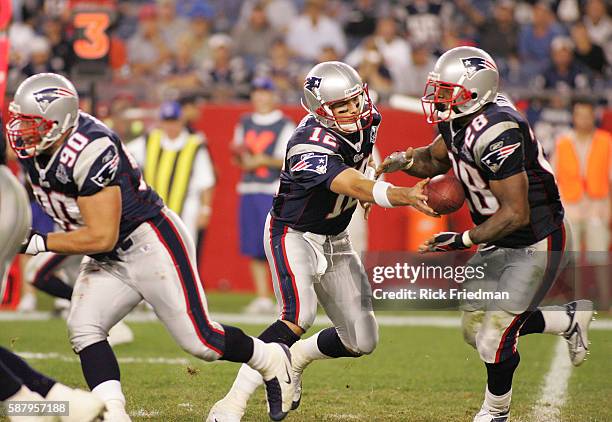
333	82
45	107
463	80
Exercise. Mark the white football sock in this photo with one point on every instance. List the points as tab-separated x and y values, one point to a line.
556	320
497	404
260	361
303	352
244	386
110	393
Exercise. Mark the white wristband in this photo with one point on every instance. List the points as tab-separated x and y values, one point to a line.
465	238
380	194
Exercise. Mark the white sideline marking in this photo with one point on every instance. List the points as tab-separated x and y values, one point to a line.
65	358
384	320
548	407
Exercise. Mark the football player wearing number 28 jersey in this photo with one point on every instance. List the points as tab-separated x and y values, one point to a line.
520	230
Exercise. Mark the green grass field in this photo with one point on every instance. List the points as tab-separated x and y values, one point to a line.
417	374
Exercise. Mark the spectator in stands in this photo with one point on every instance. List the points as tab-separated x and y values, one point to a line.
312	30
424	19
170	25
182	69
40	58
565	72
186	188
589	54
259	144
583	166
62	56
361	18
224	76
284	71
599	24
395	50
279	13
414	76
498	36
535	40
374	72
147	49
254	37
197	36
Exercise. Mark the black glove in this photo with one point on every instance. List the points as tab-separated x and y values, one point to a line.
448	241
34	244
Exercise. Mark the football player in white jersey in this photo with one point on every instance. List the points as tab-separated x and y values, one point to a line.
18	381
137	249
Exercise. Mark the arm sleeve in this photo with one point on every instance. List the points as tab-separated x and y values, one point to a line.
96	167
312	169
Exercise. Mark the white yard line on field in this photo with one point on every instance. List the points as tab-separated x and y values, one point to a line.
125	359
234	318
554	391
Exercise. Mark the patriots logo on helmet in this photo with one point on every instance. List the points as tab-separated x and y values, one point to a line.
495	159
475	64
312	83
316	163
46	96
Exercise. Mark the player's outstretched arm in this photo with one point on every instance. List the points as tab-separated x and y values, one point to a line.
101	214
421	162
352	183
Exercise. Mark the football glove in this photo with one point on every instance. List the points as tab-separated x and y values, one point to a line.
34	244
449	241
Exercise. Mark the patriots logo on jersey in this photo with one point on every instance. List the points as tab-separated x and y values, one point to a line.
108	171
312	83
46	96
475	64
311	162
495	159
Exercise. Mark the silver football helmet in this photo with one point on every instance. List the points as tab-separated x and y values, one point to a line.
333	82
44	108
463	80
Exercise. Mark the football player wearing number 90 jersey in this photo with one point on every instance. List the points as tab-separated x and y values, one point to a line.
520	231
307	246
136	247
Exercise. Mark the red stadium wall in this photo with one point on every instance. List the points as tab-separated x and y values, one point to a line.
221	265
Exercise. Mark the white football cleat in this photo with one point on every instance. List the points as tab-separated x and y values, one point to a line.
581	314
278	381
115	413
120	333
83	405
485	416
223	411
297	368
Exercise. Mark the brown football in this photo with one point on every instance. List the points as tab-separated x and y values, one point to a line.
444	194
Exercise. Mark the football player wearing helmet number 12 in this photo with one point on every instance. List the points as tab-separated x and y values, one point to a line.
520	230
311	259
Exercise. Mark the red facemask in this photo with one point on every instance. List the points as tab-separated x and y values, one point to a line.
25	132
440	98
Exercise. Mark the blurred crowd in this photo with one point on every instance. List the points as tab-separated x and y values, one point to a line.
215	47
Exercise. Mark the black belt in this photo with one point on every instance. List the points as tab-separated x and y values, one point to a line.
126	244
